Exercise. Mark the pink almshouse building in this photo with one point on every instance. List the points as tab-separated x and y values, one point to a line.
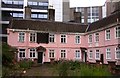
49	40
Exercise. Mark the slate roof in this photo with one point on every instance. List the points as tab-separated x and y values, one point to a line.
52	26
41	25
104	22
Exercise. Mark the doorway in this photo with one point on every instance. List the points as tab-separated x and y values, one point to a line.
40	57
84	56
102	58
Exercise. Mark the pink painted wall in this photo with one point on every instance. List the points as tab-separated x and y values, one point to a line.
70	46
102	45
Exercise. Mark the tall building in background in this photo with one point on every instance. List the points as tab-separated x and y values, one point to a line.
90	14
15	9
112	6
63	13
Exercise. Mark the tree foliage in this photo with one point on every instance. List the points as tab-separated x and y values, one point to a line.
7	54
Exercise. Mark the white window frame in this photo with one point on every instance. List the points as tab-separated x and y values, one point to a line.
64	53
117	50
64	41
52	37
34	35
33	51
90	41
22	53
77	54
107	34
51	52
77	39
96	54
23	39
108	53
116	35
90	54
96	37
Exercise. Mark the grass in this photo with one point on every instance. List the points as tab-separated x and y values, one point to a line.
0	70
75	68
65	68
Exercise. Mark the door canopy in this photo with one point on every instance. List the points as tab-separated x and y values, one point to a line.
83	49
41	49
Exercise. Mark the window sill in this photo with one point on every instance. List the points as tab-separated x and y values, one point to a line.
52	42
89	42
108	58
32	42
77	43
90	58
117	58
20	41
107	39
63	43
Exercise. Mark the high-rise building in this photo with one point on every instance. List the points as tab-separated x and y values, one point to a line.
15	9
112	6
88	14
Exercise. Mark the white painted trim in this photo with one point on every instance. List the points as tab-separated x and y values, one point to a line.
95	37
54	37
65	37
89	54
95	55
29	53
76	58
75	39
35	37
27	30
43	58
65	54
115	54
24	37
49	53
106	35
106	54
19	53
88	38
115	32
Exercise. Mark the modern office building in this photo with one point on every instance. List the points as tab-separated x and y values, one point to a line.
15	9
112	6
39	11
88	14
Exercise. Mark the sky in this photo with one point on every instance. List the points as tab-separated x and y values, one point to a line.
86	3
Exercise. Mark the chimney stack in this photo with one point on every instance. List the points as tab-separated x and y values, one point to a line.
27	12
51	13
77	17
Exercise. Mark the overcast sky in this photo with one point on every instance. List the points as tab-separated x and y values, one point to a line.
86	3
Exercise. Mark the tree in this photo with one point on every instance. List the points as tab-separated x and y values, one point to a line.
7	54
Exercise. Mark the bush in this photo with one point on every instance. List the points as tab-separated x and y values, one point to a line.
88	70
26	64
63	68
7	54
75	68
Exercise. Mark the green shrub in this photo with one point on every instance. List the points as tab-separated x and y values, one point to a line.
88	70
63	68
26	64
7	54
75	68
